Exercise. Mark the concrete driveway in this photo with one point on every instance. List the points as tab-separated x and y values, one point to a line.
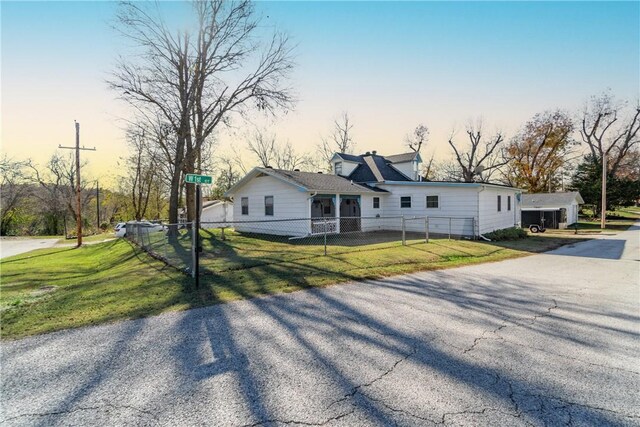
15	246
550	339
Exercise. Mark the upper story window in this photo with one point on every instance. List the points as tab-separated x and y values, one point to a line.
244	202
508	203
405	201
337	168
268	205
433	202
499	203
376	203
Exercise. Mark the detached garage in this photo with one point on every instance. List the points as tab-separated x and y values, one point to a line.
554	210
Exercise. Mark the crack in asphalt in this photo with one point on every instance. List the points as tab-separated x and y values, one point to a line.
356	389
298	422
495	331
99	407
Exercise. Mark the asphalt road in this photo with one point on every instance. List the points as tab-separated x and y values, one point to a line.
11	246
550	339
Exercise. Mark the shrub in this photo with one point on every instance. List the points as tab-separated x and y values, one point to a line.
513	233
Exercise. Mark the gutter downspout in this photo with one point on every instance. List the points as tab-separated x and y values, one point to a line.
482	188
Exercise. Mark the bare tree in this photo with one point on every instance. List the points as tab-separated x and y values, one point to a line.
480	156
143	181
58	180
339	141
14	190
263	147
196	80
610	128
288	159
416	139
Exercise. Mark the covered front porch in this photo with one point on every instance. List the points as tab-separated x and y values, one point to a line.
335	213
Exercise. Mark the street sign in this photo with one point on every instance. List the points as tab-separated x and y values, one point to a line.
192	178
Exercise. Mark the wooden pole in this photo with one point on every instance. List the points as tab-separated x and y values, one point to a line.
78	187
603	214
98	205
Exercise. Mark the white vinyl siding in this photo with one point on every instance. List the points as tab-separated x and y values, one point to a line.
456	202
490	219
345	166
288	202
407	169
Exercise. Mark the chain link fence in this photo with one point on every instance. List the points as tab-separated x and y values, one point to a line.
234	245
171	243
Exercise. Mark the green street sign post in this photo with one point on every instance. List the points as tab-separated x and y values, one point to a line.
192	178
196	248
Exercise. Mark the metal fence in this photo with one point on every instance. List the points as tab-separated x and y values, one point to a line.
171	243
233	245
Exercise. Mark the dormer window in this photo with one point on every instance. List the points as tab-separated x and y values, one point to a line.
337	168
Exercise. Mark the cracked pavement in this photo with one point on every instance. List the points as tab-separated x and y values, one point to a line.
545	340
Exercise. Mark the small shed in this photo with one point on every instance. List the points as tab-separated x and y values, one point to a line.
556	210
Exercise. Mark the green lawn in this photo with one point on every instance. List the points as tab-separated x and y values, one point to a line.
88	239
53	289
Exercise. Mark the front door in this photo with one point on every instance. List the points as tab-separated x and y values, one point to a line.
349	214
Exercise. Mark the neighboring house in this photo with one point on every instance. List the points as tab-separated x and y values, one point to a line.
558	210
216	211
212	211
365	193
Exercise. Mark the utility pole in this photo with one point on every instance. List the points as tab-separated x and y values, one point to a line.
78	187
98	204
603	214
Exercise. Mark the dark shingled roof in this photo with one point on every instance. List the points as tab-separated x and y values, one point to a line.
537	200
401	158
350	157
376	168
320	182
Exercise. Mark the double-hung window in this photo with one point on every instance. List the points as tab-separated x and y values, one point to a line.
433	202
268	205
405	201
376	203
338	168
244	202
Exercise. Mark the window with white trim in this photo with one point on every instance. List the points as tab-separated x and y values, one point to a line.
268	205
508	203
405	201
244	202
337	167
499	203
433	201
376	203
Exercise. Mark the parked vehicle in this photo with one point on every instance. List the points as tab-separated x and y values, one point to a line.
121	229
143	227
538	228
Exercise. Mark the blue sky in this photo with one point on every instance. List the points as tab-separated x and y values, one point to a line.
391	65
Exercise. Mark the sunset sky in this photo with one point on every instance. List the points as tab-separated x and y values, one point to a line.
390	65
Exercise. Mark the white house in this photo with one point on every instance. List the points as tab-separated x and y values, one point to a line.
558	210
365	193
216	211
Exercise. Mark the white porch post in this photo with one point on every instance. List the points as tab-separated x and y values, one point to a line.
310	224
337	213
